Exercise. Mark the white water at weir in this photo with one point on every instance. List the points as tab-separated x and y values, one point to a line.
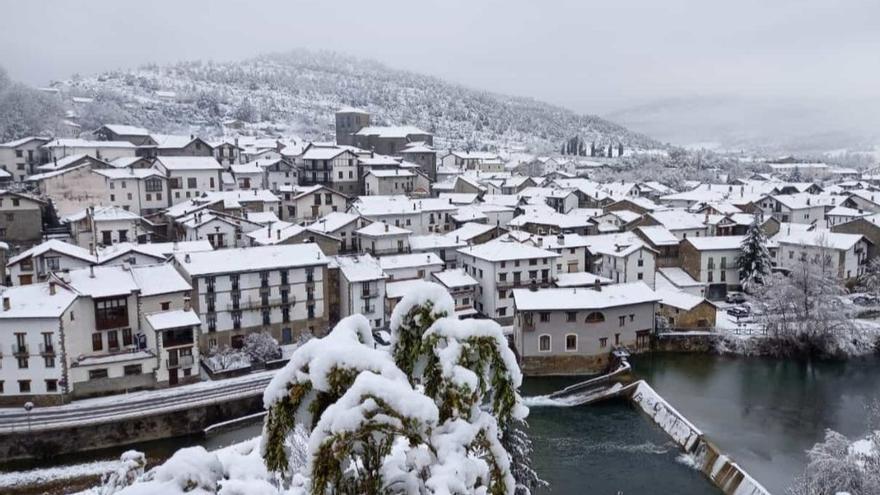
14	479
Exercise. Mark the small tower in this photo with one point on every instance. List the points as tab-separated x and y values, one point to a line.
348	122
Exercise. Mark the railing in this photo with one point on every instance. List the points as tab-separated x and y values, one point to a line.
367	294
20	350
180	362
258	303
47	349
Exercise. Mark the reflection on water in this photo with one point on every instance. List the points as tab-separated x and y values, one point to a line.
766	413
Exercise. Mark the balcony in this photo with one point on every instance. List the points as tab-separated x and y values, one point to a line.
258	303
47	350
369	294
20	350
179	362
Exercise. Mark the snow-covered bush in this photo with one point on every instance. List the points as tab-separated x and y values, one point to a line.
261	347
226	358
837	465
425	416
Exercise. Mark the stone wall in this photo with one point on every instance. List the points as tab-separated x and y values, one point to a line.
52	442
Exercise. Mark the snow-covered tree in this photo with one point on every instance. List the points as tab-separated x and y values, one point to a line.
754	261
870	279
246	111
837	465
424	416
260	347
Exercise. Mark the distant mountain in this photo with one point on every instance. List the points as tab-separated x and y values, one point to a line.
772	125
299	92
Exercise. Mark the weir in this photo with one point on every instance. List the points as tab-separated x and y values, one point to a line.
723	471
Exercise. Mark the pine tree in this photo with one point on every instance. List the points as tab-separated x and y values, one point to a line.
754	262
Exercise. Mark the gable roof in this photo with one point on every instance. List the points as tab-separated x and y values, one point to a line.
562	299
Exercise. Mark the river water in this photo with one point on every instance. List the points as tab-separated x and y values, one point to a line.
764	413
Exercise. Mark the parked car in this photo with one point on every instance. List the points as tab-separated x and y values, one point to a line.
866	300
735	298
738	312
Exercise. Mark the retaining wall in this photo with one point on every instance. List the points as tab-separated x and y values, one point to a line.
721	470
46	443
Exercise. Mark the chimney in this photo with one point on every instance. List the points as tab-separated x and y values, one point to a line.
51	287
278	233
386	227
187	304
597	286
7	304
560	239
91	271
186	258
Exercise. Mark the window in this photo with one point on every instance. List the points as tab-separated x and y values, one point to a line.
595	317
49	361
571	342
53	263
51	385
97	342
24	386
98	374
616	339
710	277
502	277
112	340
603	342
533	262
641	276
111	313
126	337
641	263
153	185
621	320
502	311
571	316
191	183
502	294
132	369
544	316
544	343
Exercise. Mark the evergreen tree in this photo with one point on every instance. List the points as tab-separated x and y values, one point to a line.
438	412
754	262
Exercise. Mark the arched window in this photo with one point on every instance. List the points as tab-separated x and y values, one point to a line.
544	343
595	317
571	342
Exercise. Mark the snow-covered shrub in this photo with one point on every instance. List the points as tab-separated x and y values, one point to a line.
131	467
837	465
424	416
261	347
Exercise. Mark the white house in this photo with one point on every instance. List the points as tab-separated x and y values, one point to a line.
362	288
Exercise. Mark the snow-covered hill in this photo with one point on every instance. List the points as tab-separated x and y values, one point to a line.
299	91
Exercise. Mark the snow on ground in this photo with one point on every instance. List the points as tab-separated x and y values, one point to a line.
18	479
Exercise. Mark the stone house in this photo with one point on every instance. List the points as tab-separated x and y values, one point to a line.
574	330
21	218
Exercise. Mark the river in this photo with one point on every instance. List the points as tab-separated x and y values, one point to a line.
764	413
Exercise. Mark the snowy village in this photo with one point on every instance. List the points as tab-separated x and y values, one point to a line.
306	273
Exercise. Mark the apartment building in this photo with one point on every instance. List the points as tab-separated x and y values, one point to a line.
37	263
189	176
712	261
332	166
463	289
501	266
276	289
143	191
845	256
420	216
309	203
21	218
362	288
21	157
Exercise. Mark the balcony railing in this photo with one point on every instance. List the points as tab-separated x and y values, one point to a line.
180	362
20	350
47	350
368	294
259	303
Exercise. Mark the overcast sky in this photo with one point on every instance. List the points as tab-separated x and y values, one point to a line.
590	56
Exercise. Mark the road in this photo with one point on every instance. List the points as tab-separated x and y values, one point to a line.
143	403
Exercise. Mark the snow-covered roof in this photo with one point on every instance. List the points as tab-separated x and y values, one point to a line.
399	205
56	246
246	168
263	217
332	222
83	143
128	173
189	163
323	153
679	219
251	259
817	238
716	243
434	242
412	260
470	230
102	214
276	233
679	299
36	301
390	131
360	268
178	318
159	279
173	141
158	250
505	250
544	215
18	142
62	163
580	279
564	299
386	173
452	279
382	229
102	281
127	130
658	235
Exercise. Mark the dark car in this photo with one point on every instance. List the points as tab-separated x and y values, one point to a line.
735	298
738	312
